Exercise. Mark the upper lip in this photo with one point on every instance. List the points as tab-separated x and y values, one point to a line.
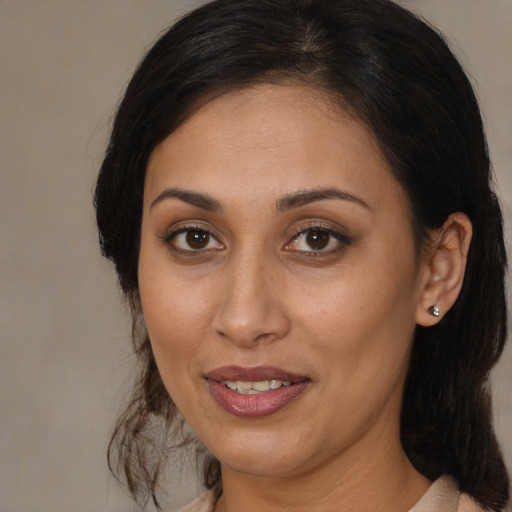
254	374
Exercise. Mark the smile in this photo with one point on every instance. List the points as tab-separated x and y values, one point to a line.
255	392
255	388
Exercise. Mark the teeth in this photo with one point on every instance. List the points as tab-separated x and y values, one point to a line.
274	384
245	386
263	385
254	388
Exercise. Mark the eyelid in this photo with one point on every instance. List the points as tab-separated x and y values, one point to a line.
342	239
173	233
303	229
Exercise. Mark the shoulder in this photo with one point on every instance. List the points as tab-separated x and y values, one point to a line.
444	487
467	504
443	496
202	504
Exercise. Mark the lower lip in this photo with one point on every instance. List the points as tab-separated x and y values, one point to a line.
251	406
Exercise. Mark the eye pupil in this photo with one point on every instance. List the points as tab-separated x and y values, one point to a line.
317	239
197	239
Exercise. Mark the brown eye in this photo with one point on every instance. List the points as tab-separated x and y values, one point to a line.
318	239
193	240
197	239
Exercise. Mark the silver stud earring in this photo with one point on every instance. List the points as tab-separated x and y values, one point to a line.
434	310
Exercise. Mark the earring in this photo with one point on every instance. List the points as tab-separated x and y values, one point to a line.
434	310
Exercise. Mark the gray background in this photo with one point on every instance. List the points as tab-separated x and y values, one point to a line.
65	351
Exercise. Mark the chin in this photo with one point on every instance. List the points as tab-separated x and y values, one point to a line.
262	454
267	465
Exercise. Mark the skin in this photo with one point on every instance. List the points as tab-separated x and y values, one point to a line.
257	294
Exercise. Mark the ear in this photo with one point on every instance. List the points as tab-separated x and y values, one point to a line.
444	268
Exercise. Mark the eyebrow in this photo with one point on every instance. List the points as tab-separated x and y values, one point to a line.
288	202
199	200
304	197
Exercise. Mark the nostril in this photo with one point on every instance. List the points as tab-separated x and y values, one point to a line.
262	337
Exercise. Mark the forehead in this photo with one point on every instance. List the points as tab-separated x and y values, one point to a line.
269	139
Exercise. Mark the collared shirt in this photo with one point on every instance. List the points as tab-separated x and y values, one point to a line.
441	496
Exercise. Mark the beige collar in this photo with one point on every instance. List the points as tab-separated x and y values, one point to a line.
442	496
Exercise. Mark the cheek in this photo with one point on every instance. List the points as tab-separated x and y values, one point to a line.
361	322
176	322
175	334
354	300
362	354
175	313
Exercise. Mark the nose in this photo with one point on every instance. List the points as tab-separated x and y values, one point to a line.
251	307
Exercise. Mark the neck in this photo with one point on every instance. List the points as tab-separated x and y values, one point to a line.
379	477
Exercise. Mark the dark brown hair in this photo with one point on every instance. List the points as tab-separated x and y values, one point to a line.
397	75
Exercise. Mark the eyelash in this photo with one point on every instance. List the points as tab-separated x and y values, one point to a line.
342	241
302	231
171	237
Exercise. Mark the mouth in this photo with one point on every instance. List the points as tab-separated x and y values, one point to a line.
255	388
254	392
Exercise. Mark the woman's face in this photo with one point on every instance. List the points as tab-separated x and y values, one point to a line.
277	252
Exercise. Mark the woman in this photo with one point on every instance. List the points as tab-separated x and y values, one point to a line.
297	198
